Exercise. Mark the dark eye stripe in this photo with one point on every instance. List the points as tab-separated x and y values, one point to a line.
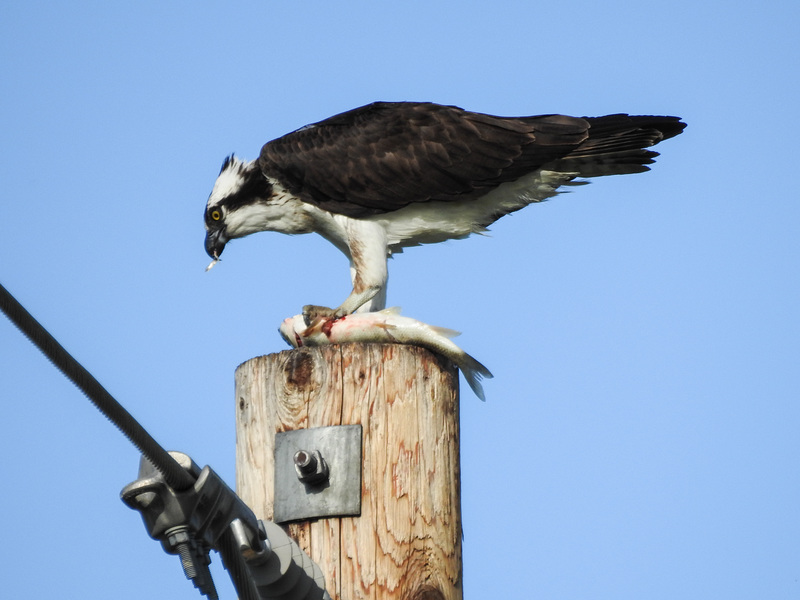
254	186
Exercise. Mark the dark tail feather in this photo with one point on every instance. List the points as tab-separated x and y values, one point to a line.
660	128
617	144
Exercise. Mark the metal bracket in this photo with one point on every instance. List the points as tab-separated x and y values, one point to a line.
317	473
263	562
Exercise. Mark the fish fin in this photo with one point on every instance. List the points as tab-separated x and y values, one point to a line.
473	372
444	331
388	327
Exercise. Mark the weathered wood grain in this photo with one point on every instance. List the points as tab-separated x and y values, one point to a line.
406	545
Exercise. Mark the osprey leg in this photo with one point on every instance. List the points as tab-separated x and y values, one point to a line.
368	250
368	253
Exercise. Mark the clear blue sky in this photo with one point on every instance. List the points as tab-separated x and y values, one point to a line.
641	437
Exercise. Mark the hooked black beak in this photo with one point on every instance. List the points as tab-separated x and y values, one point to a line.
215	242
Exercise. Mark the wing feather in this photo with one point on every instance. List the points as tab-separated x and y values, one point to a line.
351	163
384	156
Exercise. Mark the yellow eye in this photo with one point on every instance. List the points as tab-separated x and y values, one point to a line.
216	215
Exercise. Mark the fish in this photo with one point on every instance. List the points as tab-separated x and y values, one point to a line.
385	326
211	264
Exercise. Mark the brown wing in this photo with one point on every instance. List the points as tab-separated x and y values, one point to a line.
384	156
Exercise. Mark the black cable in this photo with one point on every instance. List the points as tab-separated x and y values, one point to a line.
173	473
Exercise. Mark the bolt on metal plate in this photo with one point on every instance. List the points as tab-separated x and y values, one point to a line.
337	495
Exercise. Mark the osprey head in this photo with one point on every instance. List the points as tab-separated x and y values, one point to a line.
239	185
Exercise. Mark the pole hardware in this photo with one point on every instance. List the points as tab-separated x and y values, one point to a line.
264	562
311	468
189	510
317	473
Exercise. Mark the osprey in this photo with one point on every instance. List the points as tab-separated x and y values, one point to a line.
390	175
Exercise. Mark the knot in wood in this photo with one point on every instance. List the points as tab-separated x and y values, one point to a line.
426	592
299	368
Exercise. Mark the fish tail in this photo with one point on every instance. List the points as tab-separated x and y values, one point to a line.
473	372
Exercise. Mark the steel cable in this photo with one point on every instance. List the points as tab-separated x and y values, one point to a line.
173	473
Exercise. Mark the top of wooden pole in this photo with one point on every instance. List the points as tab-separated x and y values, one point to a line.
407	542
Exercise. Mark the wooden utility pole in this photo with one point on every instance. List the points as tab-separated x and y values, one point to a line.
406	544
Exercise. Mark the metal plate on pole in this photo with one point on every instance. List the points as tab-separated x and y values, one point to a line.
335	490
